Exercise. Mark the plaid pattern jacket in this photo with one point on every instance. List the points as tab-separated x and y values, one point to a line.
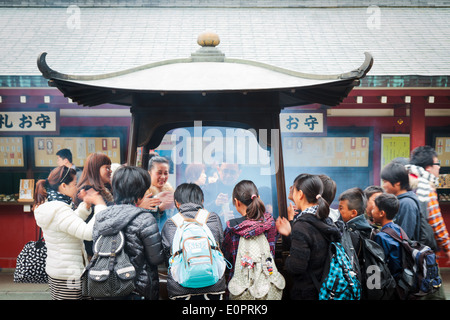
424	184
437	222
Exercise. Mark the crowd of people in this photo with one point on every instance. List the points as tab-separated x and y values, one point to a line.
73	212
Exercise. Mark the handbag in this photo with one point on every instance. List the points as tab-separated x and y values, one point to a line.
30	263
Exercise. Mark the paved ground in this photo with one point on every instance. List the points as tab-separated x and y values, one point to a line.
21	291
24	291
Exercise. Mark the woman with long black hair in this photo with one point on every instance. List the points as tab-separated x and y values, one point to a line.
310	233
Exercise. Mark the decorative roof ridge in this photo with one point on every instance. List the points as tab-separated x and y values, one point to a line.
49	73
358	73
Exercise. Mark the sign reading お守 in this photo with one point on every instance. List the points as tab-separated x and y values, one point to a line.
303	123
29	121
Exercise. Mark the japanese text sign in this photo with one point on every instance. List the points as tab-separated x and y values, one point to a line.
29	121
303	123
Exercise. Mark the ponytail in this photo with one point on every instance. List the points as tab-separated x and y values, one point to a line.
256	209
247	193
40	194
324	208
312	188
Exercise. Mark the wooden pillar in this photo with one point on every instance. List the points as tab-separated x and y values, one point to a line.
279	167
417	127
132	140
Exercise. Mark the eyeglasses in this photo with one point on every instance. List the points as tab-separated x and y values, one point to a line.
437	163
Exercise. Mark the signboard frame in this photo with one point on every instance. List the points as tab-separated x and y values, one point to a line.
301	122
400	150
28	120
86	132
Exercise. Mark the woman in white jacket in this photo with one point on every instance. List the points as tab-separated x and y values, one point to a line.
64	229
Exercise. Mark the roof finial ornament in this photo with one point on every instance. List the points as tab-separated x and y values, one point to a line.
208	52
208	39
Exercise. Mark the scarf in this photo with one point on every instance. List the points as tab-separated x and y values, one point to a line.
311	210
53	195
425	181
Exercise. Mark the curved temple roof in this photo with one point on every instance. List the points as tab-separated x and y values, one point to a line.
206	71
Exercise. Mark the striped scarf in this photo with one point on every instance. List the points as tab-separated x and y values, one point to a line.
426	181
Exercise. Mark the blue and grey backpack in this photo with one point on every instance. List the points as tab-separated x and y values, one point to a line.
420	275
196	260
339	279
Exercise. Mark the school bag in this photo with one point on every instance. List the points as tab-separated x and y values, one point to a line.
339	279
110	272
378	282
256	276
347	244
426	231
196	260
420	275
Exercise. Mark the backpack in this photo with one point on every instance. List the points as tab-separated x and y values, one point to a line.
339	279
420	274
196	260
347	244
256	276
378	282
426	231
110	272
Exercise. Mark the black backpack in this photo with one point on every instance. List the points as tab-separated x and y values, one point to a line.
347	243
426	231
377	281
110	272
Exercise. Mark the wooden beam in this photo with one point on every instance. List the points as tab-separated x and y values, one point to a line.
417	129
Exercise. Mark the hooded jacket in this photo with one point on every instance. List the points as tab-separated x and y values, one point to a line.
142	243
242	227
359	226
64	231
310	239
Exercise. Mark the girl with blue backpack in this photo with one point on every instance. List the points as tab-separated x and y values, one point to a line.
185	278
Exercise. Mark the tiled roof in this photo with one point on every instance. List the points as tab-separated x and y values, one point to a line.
227	3
403	41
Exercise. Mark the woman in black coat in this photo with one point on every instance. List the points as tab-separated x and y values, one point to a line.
142	238
310	233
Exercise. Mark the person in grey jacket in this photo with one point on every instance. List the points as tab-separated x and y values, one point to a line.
142	237
188	199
